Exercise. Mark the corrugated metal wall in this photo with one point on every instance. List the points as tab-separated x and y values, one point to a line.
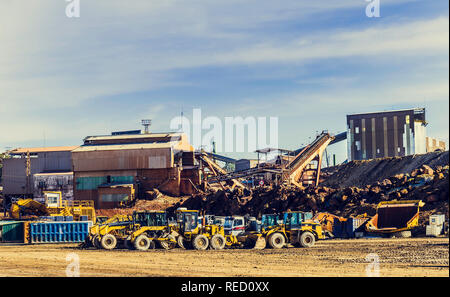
122	160
385	134
14	170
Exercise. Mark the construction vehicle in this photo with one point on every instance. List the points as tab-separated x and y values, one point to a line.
149	228
290	229
54	206
332	225
395	218
117	226
191	234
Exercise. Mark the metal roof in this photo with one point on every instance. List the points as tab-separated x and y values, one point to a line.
387	111
132	136
131	146
42	149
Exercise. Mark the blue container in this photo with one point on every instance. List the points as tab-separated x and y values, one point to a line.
59	219
68	219
84	218
59	232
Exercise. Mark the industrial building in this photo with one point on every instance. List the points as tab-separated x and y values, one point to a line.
386	134
110	169
30	171
434	144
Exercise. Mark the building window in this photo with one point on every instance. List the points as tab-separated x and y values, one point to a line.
378	150
358	145
356	130
399	149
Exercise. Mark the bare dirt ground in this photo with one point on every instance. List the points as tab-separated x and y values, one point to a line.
335	258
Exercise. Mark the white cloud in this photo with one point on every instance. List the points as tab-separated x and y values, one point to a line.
51	63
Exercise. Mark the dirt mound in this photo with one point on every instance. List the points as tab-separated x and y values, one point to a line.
361	173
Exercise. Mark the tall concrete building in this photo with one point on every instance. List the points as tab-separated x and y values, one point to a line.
386	134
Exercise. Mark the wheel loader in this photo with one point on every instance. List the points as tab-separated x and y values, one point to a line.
291	229
151	228
192	234
105	234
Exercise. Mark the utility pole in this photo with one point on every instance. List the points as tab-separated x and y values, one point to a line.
28	172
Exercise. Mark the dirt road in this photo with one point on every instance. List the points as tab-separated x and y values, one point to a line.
397	257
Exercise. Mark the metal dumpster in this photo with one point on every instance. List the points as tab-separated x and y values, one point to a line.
11	231
58	232
395	216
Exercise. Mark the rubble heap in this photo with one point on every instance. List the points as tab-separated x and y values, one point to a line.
424	183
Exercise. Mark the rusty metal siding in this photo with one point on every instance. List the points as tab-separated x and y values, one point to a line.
122	159
55	161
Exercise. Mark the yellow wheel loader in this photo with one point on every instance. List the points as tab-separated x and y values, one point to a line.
151	228
198	235
292	229
106	234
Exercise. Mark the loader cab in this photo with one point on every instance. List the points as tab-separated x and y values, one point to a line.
269	220
187	220
237	226
157	218
53	199
294	220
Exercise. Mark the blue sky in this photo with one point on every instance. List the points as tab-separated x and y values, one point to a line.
307	62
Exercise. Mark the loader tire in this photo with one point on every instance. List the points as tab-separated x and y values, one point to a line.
108	242
307	239
200	242
218	242
168	245
142	243
276	241
96	242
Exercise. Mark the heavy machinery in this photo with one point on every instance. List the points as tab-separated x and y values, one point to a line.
149	228
102	233
332	225
293	229
191	234
54	206
395	218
